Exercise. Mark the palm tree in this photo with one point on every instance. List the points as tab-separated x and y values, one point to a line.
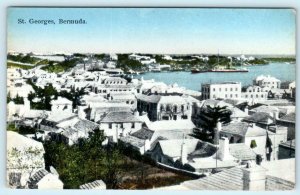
208	119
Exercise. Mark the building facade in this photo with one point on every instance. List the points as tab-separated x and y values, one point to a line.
225	90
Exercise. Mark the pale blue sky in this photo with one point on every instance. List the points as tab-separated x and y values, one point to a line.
155	30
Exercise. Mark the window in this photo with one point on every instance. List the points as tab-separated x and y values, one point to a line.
214	89
225	95
214	96
132	125
225	89
219	89
236	95
231	95
262	95
236	89
184	117
110	125
175	117
121	125
230	89
175	108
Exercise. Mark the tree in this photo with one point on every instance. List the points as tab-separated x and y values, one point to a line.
209	117
85	161
18	99
8	98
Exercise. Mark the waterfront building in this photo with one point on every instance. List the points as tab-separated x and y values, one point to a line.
267	81
255	93
225	90
288	85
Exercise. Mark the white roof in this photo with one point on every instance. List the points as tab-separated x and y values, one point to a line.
61	100
172	100
284	169
20	142
268	78
170	125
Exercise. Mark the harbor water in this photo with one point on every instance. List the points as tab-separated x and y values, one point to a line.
282	71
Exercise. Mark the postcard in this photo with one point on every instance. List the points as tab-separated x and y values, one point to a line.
151	98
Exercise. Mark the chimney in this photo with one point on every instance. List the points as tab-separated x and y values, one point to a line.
217	132
246	110
26	104
254	177
275	115
136	113
184	154
147	145
223	152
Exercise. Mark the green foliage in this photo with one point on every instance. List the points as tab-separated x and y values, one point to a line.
16	100
258	61
12	127
209	118
43	94
15	65
60	66
23	130
79	55
253	144
125	63
23	58
99	56
49	93
84	161
286	59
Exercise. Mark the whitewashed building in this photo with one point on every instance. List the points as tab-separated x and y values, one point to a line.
267	81
225	90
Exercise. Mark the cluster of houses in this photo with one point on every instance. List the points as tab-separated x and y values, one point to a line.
151	117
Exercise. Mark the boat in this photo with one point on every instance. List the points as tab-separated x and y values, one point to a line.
193	71
229	70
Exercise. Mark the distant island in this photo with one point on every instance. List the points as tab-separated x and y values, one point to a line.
140	63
